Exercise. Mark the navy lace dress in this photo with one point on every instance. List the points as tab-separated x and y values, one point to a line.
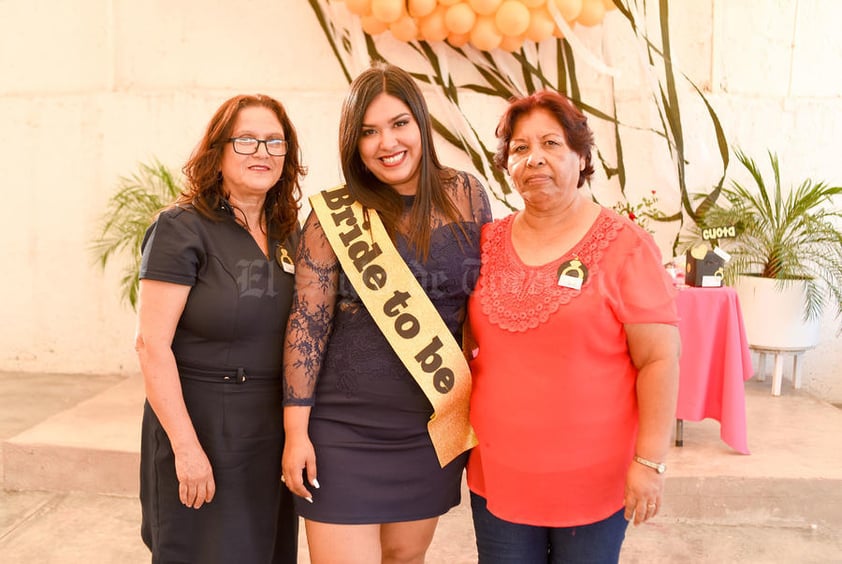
368	423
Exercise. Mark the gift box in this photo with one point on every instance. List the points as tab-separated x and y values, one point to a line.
705	267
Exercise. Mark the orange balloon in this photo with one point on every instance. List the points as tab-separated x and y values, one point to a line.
485	7
387	11
432	27
359	7
541	25
569	9
534	3
609	5
459	39
511	44
447	3
512	18
459	18
405	29
593	12
421	8
373	25
485	36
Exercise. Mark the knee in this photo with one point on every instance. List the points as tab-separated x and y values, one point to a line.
403	553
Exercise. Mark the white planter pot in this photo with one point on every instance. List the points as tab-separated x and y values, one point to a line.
774	317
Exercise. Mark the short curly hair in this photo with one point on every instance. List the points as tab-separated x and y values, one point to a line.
574	123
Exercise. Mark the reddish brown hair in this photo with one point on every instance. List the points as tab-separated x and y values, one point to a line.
204	180
574	123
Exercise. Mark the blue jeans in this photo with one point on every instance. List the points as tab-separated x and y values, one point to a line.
502	542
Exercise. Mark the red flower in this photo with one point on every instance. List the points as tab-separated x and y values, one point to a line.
632	216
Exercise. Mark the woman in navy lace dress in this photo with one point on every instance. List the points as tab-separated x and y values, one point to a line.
357	452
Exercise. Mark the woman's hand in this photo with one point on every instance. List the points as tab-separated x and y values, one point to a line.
195	477
159	309
654	349
644	492
299	456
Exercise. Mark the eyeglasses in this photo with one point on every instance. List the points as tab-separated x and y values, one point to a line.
250	145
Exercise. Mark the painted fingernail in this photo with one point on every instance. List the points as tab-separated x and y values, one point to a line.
315	483
310	499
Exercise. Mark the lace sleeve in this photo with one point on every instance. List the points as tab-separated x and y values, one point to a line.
311	316
469	196
480	207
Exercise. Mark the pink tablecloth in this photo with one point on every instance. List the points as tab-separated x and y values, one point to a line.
715	361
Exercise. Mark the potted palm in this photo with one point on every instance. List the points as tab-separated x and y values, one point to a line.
786	258
131	209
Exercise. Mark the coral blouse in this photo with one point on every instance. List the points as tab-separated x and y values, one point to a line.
553	400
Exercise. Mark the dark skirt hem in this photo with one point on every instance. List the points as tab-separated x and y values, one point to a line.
364	520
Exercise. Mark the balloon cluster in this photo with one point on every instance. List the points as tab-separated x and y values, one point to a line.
485	24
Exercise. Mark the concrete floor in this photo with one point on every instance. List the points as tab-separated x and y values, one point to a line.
76	436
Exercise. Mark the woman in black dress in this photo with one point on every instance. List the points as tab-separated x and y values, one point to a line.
215	292
355	419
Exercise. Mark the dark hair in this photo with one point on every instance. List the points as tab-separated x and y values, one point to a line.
366	188
574	123
204	180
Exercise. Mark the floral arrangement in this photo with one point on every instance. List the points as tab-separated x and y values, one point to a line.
641	212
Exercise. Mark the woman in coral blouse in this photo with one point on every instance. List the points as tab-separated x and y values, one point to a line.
575	373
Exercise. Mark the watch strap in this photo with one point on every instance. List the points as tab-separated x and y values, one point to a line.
659	467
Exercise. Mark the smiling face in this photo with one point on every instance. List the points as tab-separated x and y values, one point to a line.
249	176
543	167
390	143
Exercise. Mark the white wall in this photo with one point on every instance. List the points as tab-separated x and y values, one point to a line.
90	88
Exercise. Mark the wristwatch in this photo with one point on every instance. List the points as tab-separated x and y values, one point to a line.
658	467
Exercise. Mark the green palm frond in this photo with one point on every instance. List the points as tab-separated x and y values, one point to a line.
130	211
785	235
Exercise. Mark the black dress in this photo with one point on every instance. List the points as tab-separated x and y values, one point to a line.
368	423
228	348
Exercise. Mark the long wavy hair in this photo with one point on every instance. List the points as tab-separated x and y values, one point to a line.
204	179
572	121
366	188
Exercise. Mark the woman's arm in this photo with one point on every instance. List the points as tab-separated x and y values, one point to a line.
160	307
654	350
308	328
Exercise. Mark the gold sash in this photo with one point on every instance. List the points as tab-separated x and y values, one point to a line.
404	314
